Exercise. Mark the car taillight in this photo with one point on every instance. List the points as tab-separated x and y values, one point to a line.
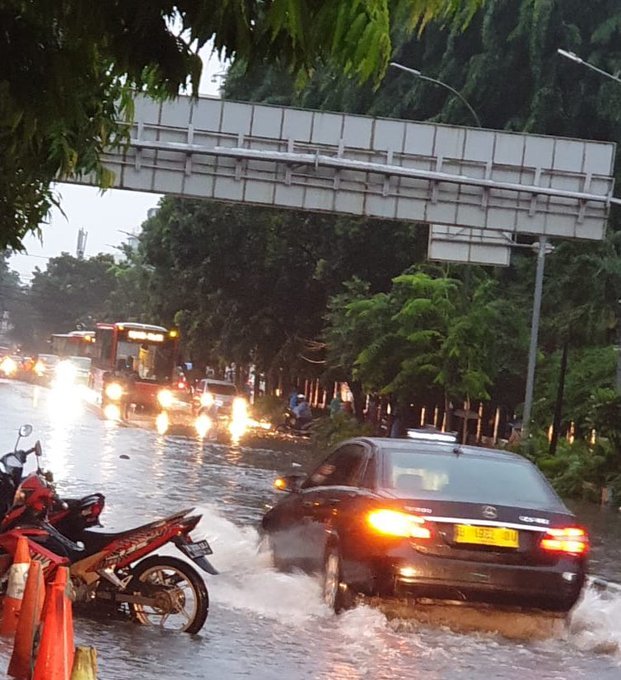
570	540
395	523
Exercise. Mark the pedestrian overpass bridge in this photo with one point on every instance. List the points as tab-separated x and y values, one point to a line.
477	188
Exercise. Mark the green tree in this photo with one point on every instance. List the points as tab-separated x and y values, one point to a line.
129	298
426	338
251	284
71	291
15	309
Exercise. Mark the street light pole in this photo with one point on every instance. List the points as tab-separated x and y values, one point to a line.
578	60
618	348
544	248
419	75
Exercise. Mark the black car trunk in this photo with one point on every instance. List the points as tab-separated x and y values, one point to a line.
461	531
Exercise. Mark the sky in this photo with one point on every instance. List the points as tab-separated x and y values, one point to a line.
108	217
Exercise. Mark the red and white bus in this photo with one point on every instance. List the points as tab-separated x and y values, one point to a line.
133	363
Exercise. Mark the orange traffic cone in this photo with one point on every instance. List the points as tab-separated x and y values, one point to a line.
55	655
15	590
29	618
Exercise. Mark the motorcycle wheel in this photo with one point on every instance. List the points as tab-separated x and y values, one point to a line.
179	589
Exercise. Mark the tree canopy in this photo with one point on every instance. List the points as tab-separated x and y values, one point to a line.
71	67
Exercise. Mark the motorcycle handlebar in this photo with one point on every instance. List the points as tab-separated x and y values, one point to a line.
21	454
36	449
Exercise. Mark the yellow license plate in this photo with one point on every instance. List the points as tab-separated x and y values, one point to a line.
496	536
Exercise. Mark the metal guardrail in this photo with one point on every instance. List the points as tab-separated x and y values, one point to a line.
603	584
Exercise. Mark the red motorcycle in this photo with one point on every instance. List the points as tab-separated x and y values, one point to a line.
115	573
69	515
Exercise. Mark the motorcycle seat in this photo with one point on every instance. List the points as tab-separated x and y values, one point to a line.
94	541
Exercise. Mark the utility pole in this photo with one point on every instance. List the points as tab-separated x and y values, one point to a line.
618	348
544	248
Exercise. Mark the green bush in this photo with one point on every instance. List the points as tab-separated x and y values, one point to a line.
577	470
329	431
269	407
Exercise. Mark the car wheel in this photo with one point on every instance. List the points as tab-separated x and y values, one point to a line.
335	593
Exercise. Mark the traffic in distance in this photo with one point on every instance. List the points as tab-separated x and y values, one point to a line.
422	519
132	372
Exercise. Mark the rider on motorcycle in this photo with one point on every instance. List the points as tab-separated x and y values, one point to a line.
303	413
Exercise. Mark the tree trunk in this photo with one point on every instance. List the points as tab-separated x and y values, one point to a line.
358	395
558	406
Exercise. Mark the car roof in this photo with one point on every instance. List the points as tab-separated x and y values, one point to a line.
213	381
434	446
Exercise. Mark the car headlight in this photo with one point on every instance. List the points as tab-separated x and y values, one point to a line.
207	399
114	391
165	398
8	365
65	371
39	368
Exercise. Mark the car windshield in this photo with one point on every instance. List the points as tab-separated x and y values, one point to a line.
218	388
469	478
83	363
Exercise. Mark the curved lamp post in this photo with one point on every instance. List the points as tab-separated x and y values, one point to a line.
419	75
574	57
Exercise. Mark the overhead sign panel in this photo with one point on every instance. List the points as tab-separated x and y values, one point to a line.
469	245
395	169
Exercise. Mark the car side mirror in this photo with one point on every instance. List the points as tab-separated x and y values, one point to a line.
289	483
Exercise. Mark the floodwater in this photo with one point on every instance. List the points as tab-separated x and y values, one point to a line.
262	624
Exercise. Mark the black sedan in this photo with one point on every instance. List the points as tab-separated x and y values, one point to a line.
428	518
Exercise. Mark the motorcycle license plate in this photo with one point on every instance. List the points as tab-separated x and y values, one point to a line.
198	549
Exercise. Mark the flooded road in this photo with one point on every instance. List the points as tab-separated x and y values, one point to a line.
262	624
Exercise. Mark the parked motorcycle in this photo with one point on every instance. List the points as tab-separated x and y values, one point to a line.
69	515
116	573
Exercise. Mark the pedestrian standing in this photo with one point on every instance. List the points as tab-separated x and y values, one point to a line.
336	405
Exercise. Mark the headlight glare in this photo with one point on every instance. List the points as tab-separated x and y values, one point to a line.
165	398
114	391
207	399
239	408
